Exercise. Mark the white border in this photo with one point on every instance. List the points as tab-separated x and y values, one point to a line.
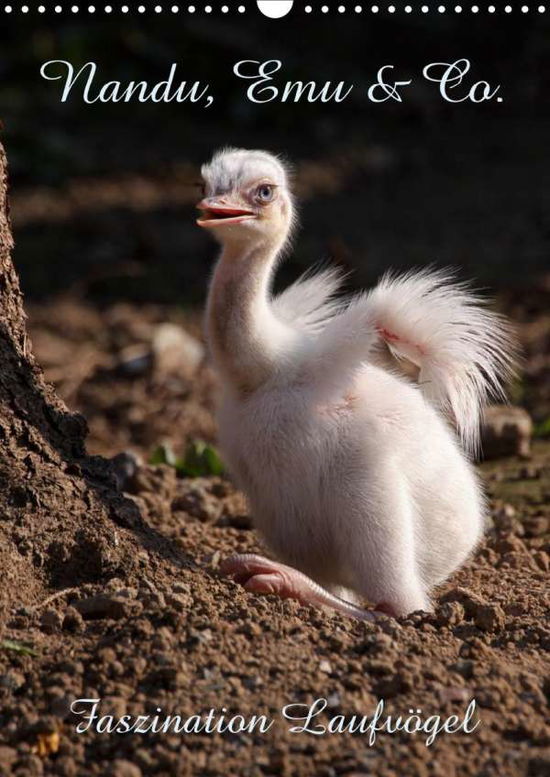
299	6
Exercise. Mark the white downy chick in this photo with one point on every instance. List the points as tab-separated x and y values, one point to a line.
359	480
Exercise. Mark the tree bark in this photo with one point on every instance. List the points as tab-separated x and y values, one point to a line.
62	520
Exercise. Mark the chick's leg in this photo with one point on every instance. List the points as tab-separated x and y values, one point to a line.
263	576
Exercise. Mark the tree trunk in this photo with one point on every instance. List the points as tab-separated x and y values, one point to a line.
62	520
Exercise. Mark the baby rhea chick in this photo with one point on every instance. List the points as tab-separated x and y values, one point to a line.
355	476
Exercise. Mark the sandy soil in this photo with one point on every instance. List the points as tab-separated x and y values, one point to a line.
147	622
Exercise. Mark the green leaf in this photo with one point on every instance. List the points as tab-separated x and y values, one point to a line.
192	463
163	454
200	460
18	647
542	429
213	461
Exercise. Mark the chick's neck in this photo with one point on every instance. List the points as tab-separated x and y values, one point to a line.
246	339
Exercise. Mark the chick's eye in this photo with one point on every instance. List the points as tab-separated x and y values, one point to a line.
265	192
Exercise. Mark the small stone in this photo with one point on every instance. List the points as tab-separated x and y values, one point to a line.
389	626
54	691
489	555
505	519
176	351
60	706
178	601
198	502
382	643
325	667
216	559
12	681
468	599
153	598
506	431
388	687
30	764
463	667
221	488
450	614
7	756
51	621
123	768
135	360
489	617
181	588
252	629
66	766
536	526
197	637
97	607
113	585
239	521
125	466
542	560
73	621
107	655
510	544
475	648
71	667
455	693
127	593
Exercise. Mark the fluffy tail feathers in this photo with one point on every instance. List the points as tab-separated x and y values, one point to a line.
465	352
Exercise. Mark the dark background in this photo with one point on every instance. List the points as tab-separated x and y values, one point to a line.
102	194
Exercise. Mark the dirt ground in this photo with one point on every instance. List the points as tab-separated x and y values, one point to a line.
147	622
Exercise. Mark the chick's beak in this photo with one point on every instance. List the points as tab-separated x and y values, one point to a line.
219	210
